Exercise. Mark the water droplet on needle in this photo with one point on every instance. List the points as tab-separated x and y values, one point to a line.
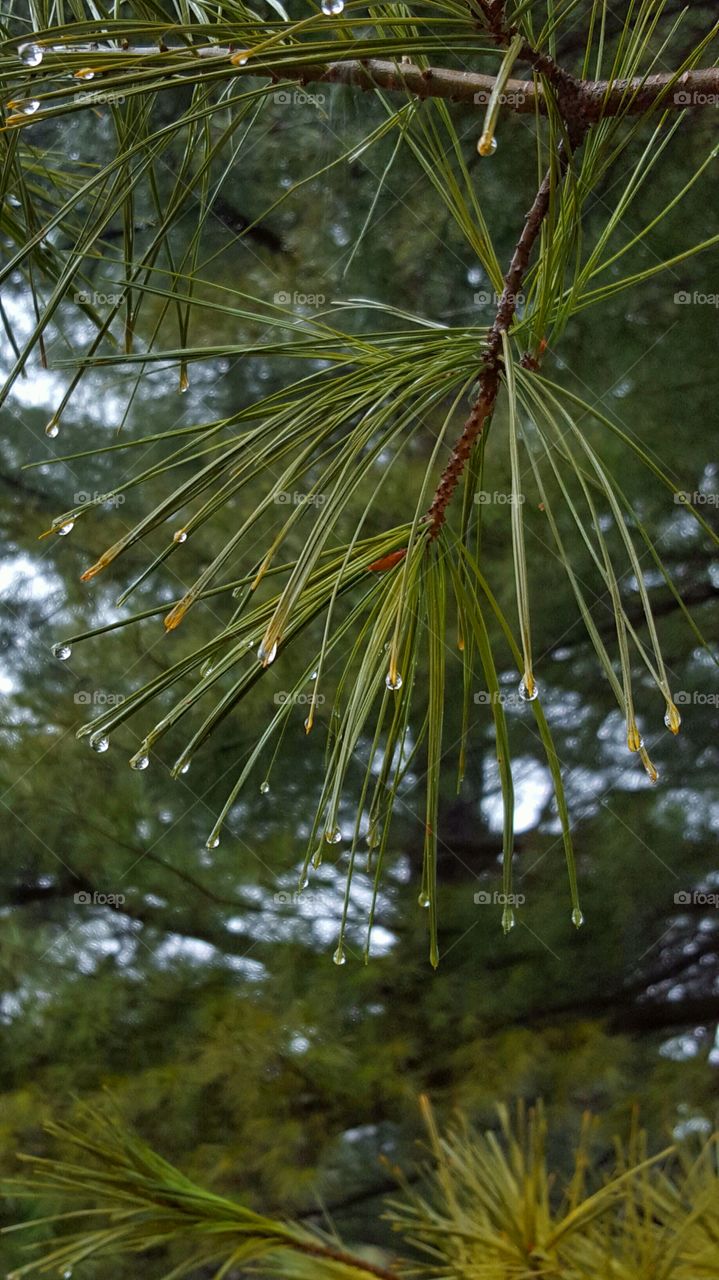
61	651
266	656
331	8
30	54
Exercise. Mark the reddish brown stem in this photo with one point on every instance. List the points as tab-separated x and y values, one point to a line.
490	375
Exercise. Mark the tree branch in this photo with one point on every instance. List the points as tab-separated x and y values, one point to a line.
600	98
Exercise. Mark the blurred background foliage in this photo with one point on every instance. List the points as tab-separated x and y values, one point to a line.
207	1001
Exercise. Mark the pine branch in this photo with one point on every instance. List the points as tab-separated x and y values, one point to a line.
600	99
490	374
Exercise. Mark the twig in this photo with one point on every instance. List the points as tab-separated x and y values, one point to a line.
490	373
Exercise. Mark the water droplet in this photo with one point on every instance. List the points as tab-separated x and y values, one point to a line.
334	836
185	768
672	718
180	535
339	956
308	723
577	918
487	146
528	689
30	54
52	429
317	858
302	883
266	656
508	920
331	8
62	530
635	741
28	107
61	651
240	58
393	680
424	900
99	742
212	842
373	840
264	787
139	761
85	73
67	1273
314	675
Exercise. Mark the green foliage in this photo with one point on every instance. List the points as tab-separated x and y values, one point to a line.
490	1207
368	600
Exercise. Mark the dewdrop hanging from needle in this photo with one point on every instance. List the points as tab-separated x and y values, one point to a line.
487	144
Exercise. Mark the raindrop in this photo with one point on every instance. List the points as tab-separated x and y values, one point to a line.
61	651
30	54
240	58
334	836
672	719
393	680
62	530
302	883
524	693
317	858
331	8
508	920
339	956
67	1273
487	146
180	535
266	656
99	742
577	918
373	840
52	429
85	74
139	762
28	107
185	768
424	900
212	842
264	787
314	675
